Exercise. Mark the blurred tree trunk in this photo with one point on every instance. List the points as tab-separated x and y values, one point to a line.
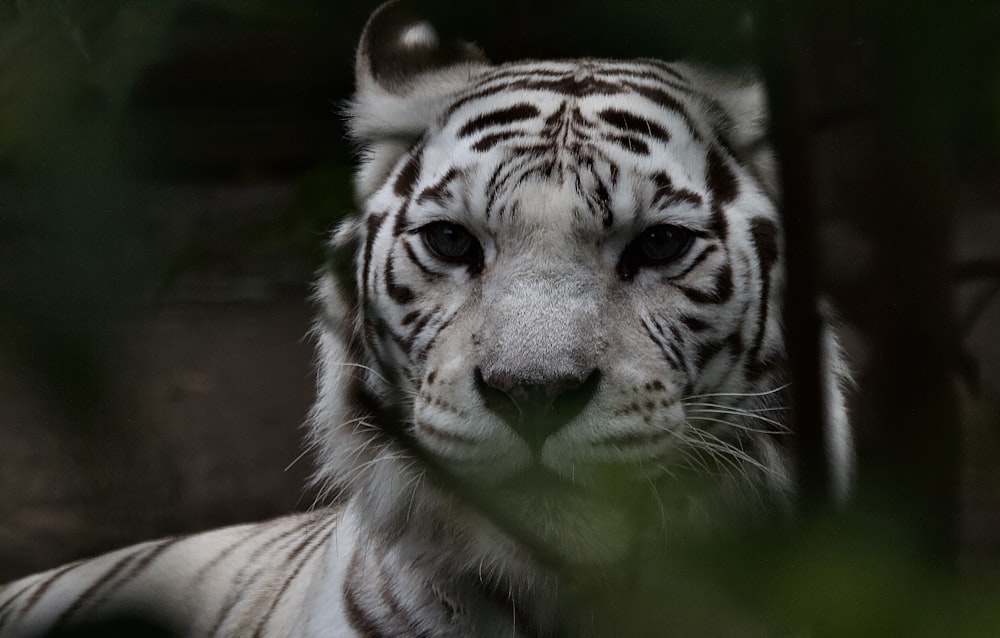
785	55
914	336
911	462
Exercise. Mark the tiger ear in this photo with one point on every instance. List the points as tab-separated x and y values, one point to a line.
739	112
404	78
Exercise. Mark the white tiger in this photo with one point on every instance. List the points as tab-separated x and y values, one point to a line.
563	336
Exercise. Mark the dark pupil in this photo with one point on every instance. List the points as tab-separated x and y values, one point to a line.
662	243
450	241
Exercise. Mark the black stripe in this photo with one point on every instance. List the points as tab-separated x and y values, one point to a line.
572	85
45	585
402	341
707	351
399	293
384	591
677	355
719	224
634	124
676	342
668	102
91	591
666	195
372	226
6	606
668	68
629	143
238	583
40	587
140	565
410	317
511	211
489	141
724	283
500	117
432	338
439	191
357	617
694	324
420	325
735	343
530	70
407	177
643	72
396	609
323	526
764	234
501	177
602	201
429	273
221	556
720	292
562	82
697	261
720	178
405	342
659	340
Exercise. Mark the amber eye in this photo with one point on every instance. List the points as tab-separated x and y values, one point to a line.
452	243
656	246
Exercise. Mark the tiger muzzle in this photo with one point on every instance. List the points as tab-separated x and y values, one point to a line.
536	407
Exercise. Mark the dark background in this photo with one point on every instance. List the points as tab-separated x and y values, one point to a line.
168	171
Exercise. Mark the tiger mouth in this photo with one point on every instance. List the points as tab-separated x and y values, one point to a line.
560	522
539	480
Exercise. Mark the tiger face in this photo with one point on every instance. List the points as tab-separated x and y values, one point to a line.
568	290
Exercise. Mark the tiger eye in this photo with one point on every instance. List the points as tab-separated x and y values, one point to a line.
662	244
451	243
658	245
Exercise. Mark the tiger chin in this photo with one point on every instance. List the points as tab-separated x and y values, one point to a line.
560	341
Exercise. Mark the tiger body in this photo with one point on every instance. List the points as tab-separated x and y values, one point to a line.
562	339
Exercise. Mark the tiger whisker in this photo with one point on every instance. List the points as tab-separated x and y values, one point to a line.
712	443
298	458
762	393
780	427
776	408
350	364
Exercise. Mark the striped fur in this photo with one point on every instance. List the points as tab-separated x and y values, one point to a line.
562	334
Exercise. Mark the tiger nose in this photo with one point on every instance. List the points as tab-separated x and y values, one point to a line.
536	408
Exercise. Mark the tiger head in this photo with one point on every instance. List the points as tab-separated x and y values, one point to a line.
565	304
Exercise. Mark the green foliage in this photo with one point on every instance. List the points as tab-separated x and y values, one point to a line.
846	576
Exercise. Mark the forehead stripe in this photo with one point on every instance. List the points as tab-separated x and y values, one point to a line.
630	143
634	124
500	117
667	101
491	140
721	179
408	176
666	194
440	191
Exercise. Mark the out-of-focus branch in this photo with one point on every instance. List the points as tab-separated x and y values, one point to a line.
784	40
913	333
